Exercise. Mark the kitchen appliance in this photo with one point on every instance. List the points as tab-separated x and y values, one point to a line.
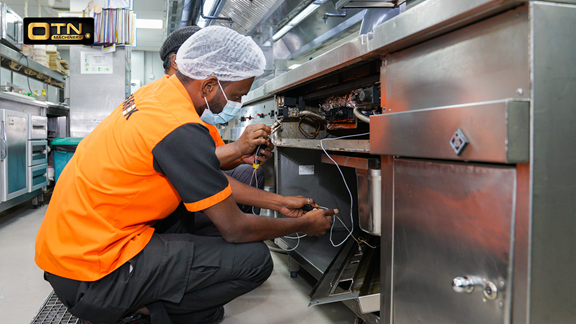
13	164
11	27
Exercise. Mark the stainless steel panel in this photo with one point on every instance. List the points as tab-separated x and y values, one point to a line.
37	177
256	113
370	201
37	127
351	161
329	145
387	239
553	243
37	152
496	131
13	175
94	96
451	220
483	62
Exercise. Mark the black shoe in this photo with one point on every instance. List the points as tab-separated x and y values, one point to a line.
215	318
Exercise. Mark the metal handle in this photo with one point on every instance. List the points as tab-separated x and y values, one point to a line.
3	146
466	284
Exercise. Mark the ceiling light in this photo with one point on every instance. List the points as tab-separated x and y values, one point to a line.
149	23
293	66
296	20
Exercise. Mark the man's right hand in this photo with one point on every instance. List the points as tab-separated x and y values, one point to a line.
252	136
319	221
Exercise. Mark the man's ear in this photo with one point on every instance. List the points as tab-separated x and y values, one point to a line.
173	62
209	85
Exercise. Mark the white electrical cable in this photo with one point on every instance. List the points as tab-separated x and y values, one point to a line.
345	183
255	177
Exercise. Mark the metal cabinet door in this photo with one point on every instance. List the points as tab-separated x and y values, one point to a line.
14	165
451	220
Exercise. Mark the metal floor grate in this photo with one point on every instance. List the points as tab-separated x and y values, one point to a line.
54	312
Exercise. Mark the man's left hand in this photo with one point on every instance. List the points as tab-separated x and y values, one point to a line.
267	154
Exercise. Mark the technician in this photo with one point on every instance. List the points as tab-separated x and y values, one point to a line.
97	243
240	168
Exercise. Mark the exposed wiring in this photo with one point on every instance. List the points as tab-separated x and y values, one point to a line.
298	237
358	240
345	183
27	73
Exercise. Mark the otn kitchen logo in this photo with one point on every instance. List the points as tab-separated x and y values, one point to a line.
59	31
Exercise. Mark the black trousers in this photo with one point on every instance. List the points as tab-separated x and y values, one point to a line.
181	278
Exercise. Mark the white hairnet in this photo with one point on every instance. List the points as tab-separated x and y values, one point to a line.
221	52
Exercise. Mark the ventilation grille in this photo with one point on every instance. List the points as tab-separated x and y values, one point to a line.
54	312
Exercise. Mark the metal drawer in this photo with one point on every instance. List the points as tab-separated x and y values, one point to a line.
37	152
37	177
37	127
497	131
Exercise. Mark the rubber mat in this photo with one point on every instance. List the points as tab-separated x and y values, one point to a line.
54	312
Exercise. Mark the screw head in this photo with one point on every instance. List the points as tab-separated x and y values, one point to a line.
520	91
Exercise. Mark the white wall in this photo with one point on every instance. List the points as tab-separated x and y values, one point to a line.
146	64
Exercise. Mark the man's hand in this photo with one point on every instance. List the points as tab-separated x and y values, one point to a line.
320	220
291	206
266	154
252	136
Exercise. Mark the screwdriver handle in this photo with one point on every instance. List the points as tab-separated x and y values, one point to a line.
256	163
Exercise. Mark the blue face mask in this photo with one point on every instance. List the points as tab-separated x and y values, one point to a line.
230	110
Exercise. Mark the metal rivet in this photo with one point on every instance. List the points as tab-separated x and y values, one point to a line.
501	283
390	109
500	304
520	91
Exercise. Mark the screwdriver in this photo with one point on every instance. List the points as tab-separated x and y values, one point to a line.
256	163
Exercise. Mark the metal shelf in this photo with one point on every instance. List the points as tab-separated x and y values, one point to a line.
10	54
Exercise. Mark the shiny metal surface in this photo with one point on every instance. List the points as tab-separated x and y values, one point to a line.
261	112
553	176
331	35
466	284
351	161
370	200
387	239
352	275
13	175
455	69
425	21
11	27
451	219
37	177
427	133
329	145
36	152
37	127
94	96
